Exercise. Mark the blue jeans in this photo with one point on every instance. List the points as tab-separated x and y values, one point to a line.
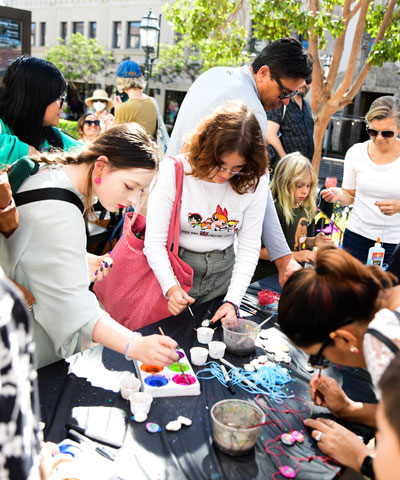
358	246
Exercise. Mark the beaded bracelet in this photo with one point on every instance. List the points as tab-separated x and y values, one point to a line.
134	334
233	305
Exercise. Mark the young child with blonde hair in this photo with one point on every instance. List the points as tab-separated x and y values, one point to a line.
294	189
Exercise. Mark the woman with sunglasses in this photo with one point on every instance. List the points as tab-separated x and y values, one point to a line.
224	197
88	127
347	313
371	183
31	103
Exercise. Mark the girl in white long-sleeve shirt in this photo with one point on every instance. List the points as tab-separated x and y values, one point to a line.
224	195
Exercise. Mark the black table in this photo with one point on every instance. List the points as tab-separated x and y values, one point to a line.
188	453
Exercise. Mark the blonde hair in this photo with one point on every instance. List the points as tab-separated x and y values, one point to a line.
384	107
291	170
127	83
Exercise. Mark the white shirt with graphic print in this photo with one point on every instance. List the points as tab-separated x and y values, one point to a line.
212	214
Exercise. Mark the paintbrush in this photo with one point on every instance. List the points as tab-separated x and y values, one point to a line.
315	395
179	365
179	285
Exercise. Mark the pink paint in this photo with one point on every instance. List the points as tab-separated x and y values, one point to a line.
180	379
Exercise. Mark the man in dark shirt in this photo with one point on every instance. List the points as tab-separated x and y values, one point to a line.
291	128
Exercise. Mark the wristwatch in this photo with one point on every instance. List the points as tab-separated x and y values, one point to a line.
367	467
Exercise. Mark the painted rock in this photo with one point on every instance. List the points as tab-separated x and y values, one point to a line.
153	427
287	439
298	436
287	471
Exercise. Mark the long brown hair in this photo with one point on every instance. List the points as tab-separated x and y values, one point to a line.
232	128
340	290
125	146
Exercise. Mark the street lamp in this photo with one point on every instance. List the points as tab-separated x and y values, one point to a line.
149	40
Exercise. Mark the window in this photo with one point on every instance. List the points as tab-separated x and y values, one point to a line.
63	30
42	34
116	43
78	27
33	34
133	40
92	29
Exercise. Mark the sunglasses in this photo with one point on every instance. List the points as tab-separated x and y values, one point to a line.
61	100
285	93
385	133
96	123
223	169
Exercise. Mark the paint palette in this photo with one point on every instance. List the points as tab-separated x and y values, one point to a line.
168	381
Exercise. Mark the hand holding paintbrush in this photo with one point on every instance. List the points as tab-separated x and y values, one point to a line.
179	365
178	301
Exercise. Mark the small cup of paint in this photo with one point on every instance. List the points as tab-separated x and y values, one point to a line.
140	402
198	355
204	334
216	349
129	384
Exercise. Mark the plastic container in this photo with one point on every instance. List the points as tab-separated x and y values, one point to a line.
204	334
216	349
129	384
140	402
198	355
240	335
376	254
230	419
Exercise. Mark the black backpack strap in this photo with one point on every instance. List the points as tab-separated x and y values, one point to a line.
39	194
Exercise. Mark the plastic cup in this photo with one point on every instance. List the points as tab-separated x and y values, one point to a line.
140	402
129	384
198	355
230	419
240	336
216	349
204	335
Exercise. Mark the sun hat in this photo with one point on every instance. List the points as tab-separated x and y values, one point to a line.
129	69
98	95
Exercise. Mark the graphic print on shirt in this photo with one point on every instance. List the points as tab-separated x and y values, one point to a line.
211	226
300	236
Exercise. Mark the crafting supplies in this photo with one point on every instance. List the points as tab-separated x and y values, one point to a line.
376	254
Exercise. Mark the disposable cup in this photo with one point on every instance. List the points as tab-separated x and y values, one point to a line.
198	355
129	384
216	349
140	402
204	335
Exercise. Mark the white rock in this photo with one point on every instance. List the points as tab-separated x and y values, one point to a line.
255	363
140	417
287	359
284	347
262	358
269	364
264	333
309	368
249	368
205	323
185	421
173	426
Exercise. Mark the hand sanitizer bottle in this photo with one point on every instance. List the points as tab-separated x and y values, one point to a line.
376	254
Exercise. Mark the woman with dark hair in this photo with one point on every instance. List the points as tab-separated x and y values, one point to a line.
31	103
371	183
115	168
224	161
347	313
88	127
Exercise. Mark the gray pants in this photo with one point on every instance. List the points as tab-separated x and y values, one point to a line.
212	272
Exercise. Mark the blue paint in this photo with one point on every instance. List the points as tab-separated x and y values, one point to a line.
156	381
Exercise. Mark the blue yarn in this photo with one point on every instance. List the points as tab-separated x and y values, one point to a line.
267	380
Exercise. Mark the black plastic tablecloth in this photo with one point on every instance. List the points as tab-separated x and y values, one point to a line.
188	453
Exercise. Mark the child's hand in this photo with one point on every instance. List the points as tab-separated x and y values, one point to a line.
322	239
154	349
178	300
304	256
225	312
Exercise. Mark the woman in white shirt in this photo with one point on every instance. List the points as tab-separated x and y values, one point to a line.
347	313
47	253
371	183
224	196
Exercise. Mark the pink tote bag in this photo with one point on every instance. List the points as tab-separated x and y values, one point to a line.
131	293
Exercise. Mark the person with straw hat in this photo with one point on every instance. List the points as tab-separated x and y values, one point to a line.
100	102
